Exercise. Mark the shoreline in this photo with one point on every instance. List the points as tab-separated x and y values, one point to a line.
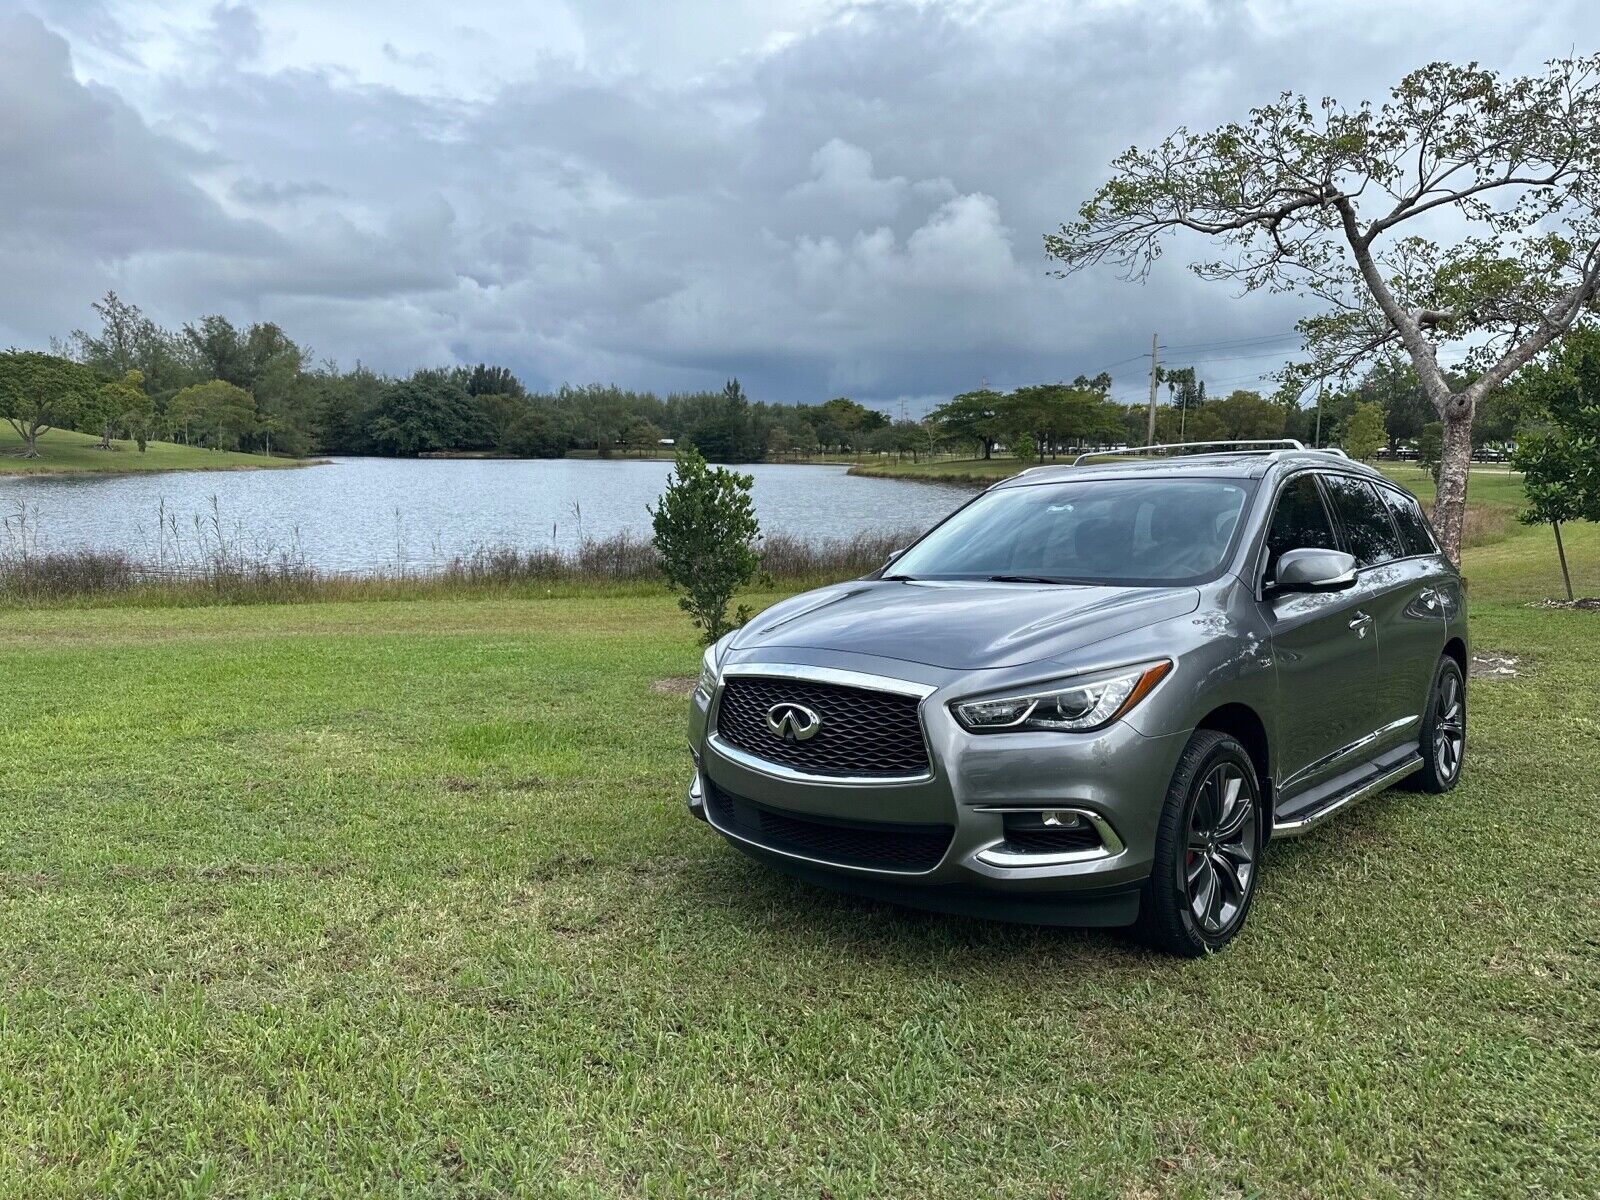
7	472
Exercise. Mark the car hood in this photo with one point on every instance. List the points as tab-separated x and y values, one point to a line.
960	625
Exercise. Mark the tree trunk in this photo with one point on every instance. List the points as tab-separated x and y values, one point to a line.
1561	553
30	443
1455	459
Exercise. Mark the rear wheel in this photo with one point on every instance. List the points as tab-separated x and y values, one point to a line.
1443	742
1208	849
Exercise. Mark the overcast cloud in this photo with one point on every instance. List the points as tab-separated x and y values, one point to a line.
821	198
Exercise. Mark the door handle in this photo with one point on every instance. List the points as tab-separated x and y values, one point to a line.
1361	622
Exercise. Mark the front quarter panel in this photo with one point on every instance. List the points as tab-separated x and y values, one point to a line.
1221	654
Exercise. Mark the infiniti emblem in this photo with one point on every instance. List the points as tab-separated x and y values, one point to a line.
793	722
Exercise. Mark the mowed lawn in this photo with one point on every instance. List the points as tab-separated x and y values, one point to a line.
400	898
64	452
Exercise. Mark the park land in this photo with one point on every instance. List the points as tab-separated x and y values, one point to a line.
339	898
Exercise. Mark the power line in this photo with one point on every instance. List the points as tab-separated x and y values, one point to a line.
1268	337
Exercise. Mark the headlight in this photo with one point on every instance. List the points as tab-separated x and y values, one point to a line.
707	683
1075	706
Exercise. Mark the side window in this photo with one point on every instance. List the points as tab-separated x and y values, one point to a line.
1300	522
1414	531
1370	535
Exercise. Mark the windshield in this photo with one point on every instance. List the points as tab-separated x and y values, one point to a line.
1122	531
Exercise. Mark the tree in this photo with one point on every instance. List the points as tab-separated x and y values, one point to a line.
39	392
1363	434
643	436
1184	389
1560	460
119	404
220	412
537	433
427	412
1553	470
1025	447
1245	415
970	417
705	526
1343	205
1392	384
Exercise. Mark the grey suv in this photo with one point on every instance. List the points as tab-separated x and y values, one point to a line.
1093	694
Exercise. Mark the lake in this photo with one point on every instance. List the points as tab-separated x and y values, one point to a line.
372	515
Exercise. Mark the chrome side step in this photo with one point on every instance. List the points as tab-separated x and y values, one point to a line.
1301	826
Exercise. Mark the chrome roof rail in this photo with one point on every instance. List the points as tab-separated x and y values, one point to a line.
1246	446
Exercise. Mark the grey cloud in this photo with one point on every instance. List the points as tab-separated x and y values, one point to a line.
268	194
854	207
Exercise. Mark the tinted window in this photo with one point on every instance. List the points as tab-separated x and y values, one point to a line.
1300	522
1368	532
1131	531
1414	531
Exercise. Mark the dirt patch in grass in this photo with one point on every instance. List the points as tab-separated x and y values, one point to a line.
1583	603
675	685
458	783
1496	664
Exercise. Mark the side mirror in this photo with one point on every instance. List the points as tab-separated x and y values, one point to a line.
1311	570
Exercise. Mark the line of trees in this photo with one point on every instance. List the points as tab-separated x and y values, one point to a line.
216	384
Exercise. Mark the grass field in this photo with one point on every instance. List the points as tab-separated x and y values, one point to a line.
400	898
61	451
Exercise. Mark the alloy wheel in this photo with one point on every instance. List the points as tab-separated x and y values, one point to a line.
1449	726
1222	844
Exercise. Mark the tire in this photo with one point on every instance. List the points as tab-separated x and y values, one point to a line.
1208	852
1443	740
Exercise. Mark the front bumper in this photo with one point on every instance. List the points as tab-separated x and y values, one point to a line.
1116	778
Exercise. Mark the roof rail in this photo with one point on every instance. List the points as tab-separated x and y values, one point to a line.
1248	446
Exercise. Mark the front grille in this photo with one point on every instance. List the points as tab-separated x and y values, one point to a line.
863	733
887	847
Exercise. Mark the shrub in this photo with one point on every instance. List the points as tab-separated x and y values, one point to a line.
705	525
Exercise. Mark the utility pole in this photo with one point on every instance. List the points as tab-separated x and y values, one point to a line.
1155	372
1316	442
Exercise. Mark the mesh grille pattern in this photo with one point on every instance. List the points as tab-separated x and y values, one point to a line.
863	732
1051	841
855	844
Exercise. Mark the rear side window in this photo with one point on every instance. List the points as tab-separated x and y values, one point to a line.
1414	531
1300	522
1370	535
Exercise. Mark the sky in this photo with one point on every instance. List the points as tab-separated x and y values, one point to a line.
820	198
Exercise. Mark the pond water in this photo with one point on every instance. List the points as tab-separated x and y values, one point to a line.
373	514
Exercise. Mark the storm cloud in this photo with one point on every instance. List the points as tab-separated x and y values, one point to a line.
820	198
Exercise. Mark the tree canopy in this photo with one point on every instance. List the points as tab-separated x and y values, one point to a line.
1459	219
39	392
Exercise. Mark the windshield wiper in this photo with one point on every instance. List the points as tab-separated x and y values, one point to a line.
1025	579
897	578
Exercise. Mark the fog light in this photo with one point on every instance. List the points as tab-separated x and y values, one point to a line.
1060	820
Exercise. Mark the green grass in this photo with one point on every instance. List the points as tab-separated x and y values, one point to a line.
61	451
400	898
946	470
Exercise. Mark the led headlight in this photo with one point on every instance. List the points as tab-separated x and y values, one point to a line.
1074	706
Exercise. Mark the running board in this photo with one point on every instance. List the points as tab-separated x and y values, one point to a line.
1300	826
